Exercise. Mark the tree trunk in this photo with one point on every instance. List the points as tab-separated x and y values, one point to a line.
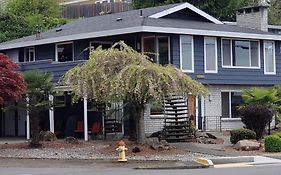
140	124
34	125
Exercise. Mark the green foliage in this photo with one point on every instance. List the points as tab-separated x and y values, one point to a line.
121	73
25	17
256	117
12	27
241	134
273	143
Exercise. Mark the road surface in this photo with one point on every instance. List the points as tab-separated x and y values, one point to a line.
54	167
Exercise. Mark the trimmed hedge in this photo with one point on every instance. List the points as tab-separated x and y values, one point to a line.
273	143
241	134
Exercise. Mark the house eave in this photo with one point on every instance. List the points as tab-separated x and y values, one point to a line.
138	29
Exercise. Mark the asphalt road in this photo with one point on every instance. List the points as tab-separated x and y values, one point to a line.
50	167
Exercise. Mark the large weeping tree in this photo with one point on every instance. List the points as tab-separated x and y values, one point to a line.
122	74
39	87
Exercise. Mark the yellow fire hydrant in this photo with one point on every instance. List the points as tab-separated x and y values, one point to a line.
122	150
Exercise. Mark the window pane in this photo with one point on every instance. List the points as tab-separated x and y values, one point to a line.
26	55
31	58
236	101
210	45
149	47
163	44
269	57
65	52
186	45
241	55
226	52
225	104
254	54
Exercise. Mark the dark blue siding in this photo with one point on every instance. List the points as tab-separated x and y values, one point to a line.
175	50
58	69
45	52
230	76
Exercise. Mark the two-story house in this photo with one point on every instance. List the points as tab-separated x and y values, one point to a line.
225	58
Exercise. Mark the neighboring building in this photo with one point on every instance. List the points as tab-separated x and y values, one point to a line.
225	58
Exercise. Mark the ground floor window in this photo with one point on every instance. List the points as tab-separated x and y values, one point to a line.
230	102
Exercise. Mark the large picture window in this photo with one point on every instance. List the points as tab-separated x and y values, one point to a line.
230	102
64	52
102	44
269	57
187	55
240	53
210	54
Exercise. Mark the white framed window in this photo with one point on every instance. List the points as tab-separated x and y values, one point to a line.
64	52
29	54
269	58
157	48
103	44
230	101
210	55
240	53
187	53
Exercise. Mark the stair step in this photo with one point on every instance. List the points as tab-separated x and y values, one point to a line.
183	121
107	120
175	118
176	134
177	113
174	106
176	109
177	126
175	130
175	102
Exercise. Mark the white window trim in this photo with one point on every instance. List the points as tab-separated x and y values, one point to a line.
34	58
229	98
231	54
216	56
156	46
274	59
56	50
192	55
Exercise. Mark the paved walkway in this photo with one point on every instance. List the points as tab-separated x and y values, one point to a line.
12	140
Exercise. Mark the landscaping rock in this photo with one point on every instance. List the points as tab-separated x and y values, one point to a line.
157	134
71	140
278	127
204	140
211	136
247	145
201	134
47	136
136	150
151	140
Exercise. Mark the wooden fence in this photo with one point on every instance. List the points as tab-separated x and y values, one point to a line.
89	10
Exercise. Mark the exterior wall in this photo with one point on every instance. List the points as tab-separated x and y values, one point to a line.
227	76
152	123
213	108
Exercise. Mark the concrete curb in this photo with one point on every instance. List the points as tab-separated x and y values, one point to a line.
225	160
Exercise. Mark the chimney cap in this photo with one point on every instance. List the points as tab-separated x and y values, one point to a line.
255	6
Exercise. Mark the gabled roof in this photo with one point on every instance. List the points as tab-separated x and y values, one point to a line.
132	22
183	6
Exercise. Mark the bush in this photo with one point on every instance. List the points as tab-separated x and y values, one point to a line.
241	134
256	117
273	143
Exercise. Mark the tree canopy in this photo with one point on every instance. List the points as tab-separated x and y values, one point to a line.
12	84
122	74
22	18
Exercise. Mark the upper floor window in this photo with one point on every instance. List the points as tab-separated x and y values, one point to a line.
187	53
240	53
210	55
157	48
29	54
64	52
269	57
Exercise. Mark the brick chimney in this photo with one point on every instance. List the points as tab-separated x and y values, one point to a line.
253	17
